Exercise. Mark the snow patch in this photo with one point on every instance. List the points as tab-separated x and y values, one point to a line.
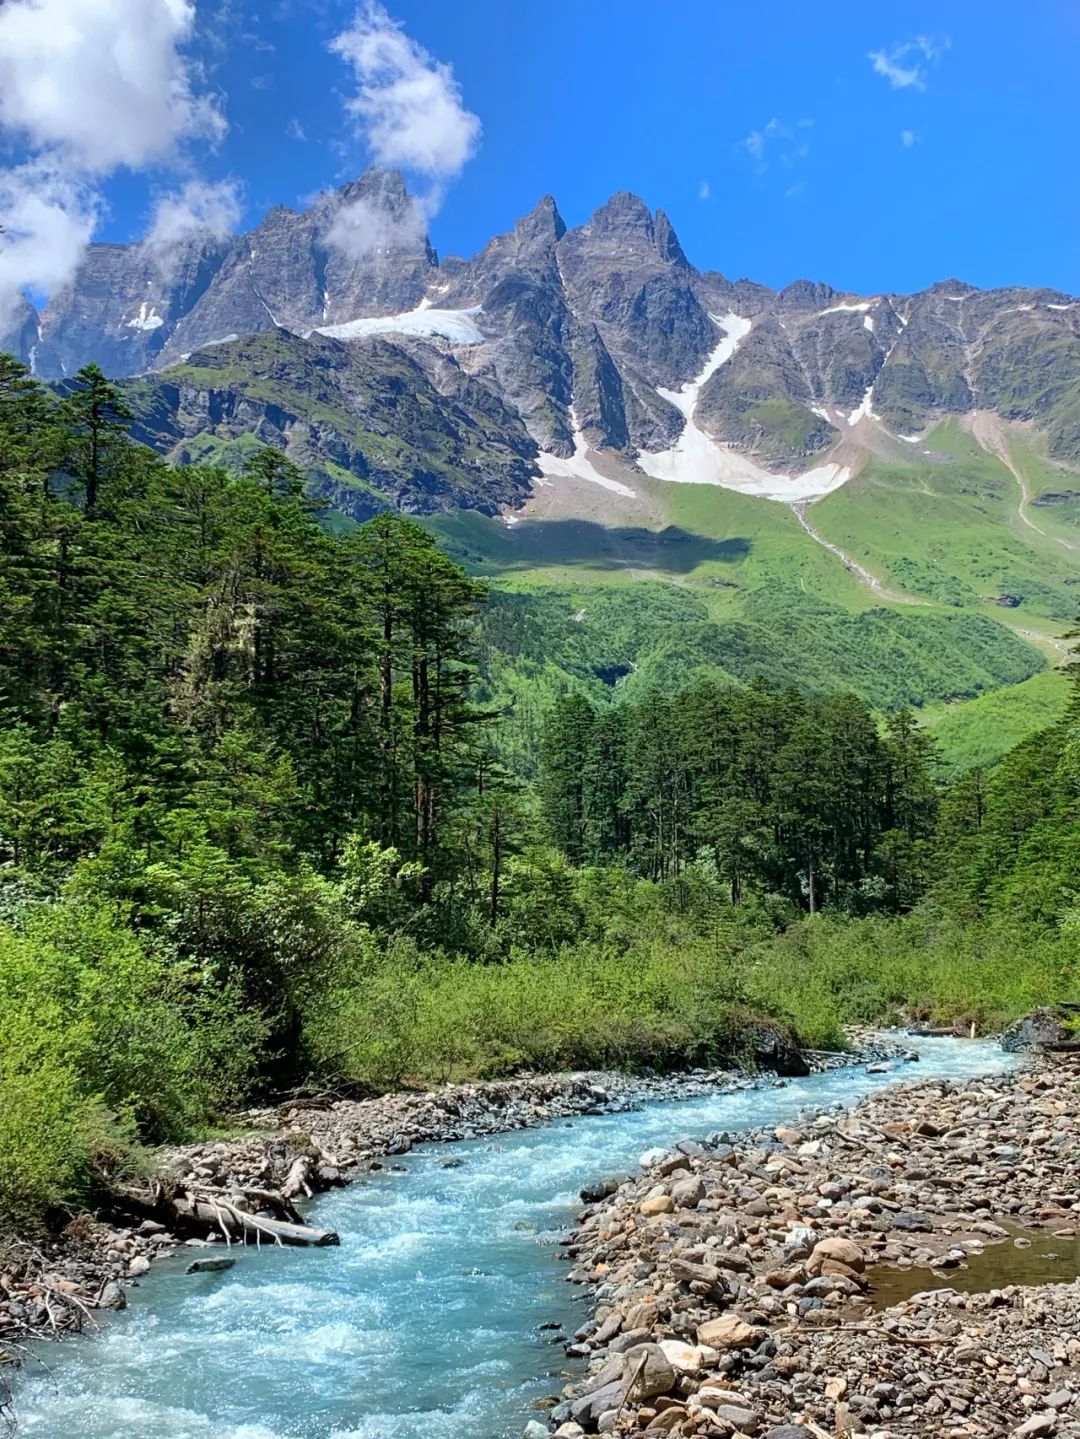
224	340
457	326
697	459
868	323
820	411
579	466
146	319
860	308
864	410
510	521
1061	307
910	439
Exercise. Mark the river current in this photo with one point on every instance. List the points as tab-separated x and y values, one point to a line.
426	1323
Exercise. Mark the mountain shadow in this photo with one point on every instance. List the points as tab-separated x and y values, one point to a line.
533	543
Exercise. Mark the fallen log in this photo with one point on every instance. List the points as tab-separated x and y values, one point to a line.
251	1228
193	1212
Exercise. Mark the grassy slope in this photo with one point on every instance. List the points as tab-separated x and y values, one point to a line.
595	590
946	527
983	730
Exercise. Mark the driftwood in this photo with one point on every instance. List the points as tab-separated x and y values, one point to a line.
237	1215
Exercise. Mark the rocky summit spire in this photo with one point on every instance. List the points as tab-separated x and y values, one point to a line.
543	225
624	212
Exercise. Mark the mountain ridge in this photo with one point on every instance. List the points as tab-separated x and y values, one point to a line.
590	337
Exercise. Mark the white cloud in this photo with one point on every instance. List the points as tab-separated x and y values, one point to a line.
101	83
777	140
48	220
703	190
908	138
361	228
199	208
408	106
295	131
87	87
905	66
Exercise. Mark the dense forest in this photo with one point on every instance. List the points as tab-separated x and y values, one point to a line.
255	834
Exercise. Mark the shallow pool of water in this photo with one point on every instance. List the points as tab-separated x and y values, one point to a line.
425	1324
1040	1258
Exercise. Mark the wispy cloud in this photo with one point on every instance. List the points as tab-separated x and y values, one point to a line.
905	66
908	138
779	141
703	190
198	209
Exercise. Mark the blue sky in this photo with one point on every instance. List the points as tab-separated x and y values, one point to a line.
779	147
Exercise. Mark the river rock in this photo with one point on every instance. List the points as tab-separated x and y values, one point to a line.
1040	1027
729	1332
688	1193
647	1371
842	1251
210	1266
656	1203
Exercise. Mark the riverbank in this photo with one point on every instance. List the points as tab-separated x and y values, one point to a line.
56	1287
734	1285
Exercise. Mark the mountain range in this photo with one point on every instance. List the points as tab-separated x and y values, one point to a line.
876	493
548	344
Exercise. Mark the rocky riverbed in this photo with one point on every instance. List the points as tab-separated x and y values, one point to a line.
288	1154
734	1285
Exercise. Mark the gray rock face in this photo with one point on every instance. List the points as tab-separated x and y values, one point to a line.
760	401
361	250
19	330
625	272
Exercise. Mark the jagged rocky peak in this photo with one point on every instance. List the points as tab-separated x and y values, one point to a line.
542	226
666	240
19	329
628	221
625	272
806	295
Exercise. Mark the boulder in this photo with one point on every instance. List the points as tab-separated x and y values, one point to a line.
684	1358
647	1371
843	1251
1035	1030
656	1204
688	1193
774	1050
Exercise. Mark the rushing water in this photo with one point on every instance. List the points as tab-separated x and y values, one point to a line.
425	1324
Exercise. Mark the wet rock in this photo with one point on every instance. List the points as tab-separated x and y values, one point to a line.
602	1189
210	1266
776	1051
